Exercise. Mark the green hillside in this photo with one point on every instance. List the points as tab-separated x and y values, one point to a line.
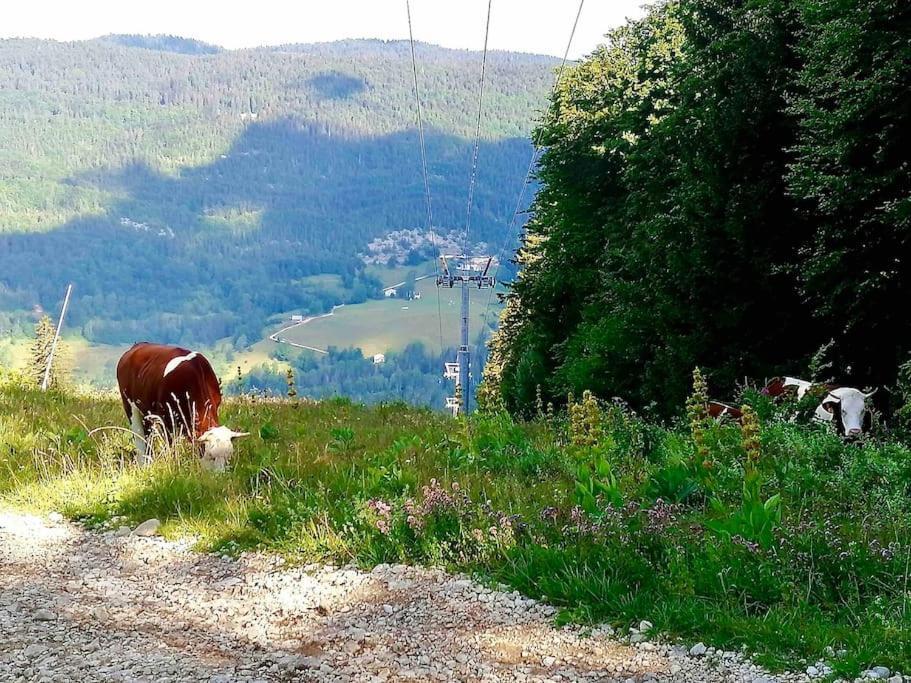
186	194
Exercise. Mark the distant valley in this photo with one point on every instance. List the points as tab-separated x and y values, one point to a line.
196	195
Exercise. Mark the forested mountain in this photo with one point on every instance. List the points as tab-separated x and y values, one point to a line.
726	184
187	195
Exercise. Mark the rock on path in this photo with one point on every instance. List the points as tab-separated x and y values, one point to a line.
79	606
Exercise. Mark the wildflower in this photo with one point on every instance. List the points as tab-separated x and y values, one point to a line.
749	545
697	412
749	430
576	515
383	511
435	497
380	507
661	516
549	514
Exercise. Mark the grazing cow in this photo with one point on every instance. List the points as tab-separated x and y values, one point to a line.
178	389
847	407
718	410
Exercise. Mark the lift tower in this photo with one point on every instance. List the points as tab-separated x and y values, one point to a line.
465	271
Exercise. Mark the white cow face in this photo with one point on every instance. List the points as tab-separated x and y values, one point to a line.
218	447
850	405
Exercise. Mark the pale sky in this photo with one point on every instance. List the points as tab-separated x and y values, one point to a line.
540	26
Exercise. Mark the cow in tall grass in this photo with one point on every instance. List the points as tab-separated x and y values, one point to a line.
846	407
176	390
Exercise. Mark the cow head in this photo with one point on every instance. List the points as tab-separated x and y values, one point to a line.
218	446
847	407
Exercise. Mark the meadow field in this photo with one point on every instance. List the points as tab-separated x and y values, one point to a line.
378	326
777	538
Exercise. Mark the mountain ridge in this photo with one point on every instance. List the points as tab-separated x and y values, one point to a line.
261	168
205	48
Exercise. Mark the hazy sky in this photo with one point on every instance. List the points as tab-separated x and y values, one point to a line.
541	26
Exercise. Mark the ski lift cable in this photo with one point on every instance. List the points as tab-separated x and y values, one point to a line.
429	201
531	167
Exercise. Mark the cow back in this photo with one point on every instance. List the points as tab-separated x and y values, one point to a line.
187	394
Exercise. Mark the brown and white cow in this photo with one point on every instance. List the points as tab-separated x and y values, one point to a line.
781	386
177	389
846	407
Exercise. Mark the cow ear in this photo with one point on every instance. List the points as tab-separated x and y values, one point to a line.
829	406
238	435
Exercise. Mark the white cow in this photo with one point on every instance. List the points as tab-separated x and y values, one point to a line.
844	406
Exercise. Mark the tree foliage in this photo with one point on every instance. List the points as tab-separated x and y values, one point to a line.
724	185
412	375
851	165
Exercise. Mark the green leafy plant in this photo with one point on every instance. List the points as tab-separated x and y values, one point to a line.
758	517
269	432
597	486
341	440
674	482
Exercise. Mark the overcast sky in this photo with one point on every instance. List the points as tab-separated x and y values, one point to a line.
540	26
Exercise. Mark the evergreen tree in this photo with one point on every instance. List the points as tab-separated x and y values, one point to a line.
41	352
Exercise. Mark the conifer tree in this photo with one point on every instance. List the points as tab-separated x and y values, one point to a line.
41	352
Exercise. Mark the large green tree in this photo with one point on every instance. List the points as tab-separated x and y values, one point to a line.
724	184
854	167
598	115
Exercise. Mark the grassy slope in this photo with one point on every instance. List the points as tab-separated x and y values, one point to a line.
303	486
386	325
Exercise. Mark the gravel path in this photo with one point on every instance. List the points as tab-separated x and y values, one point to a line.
79	606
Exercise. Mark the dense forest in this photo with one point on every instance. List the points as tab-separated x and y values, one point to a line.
726	185
189	192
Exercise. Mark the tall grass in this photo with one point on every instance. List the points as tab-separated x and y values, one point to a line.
778	538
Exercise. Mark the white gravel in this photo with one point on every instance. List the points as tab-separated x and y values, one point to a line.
79	606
